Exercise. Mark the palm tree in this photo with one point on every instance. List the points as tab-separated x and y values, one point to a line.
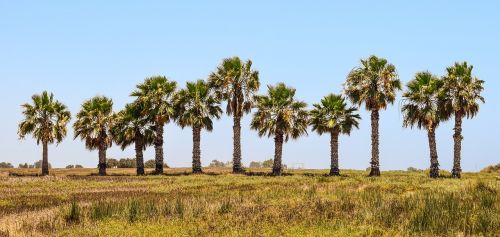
421	108
374	83
462	93
93	125
236	82
46	119
132	127
333	116
280	115
156	93
195	107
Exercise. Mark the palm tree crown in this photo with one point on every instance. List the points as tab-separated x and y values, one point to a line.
46	119
333	116
236	82
130	123
196	105
93	125
156	94
279	111
373	84
421	102
461	91
94	122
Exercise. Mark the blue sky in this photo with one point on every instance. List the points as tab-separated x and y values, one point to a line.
79	49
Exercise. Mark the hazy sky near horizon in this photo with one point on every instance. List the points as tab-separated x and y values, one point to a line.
79	49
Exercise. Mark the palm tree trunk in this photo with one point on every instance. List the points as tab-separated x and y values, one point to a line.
102	159
434	169
139	156
237	145
159	148
278	151
375	170
457	138
196	150
45	159
334	154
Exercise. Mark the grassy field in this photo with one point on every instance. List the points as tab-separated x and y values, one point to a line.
73	202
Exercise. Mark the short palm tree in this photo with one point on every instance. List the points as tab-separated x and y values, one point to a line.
46	119
374	83
196	106
156	94
421	108
236	82
132	127
280	115
462	93
333	116
93	126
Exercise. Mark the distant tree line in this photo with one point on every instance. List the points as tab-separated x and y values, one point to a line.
253	164
37	165
261	164
6	165
129	163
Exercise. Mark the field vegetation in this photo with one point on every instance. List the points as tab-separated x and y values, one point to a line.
78	202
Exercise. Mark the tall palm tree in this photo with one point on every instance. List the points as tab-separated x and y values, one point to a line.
93	125
132	127
46	119
462	93
236	82
196	106
333	116
421	108
280	115
156	93
374	83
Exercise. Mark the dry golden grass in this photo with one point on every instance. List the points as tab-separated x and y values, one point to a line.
72	202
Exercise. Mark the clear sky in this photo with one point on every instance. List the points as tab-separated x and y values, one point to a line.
79	49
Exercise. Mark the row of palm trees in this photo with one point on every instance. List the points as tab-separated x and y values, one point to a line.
427	101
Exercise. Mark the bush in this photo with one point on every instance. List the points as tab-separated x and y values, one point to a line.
220	164
216	163
255	164
24	166
268	163
73	215
152	164
413	169
133	211
492	168
111	163
38	164
129	163
6	165
74	166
